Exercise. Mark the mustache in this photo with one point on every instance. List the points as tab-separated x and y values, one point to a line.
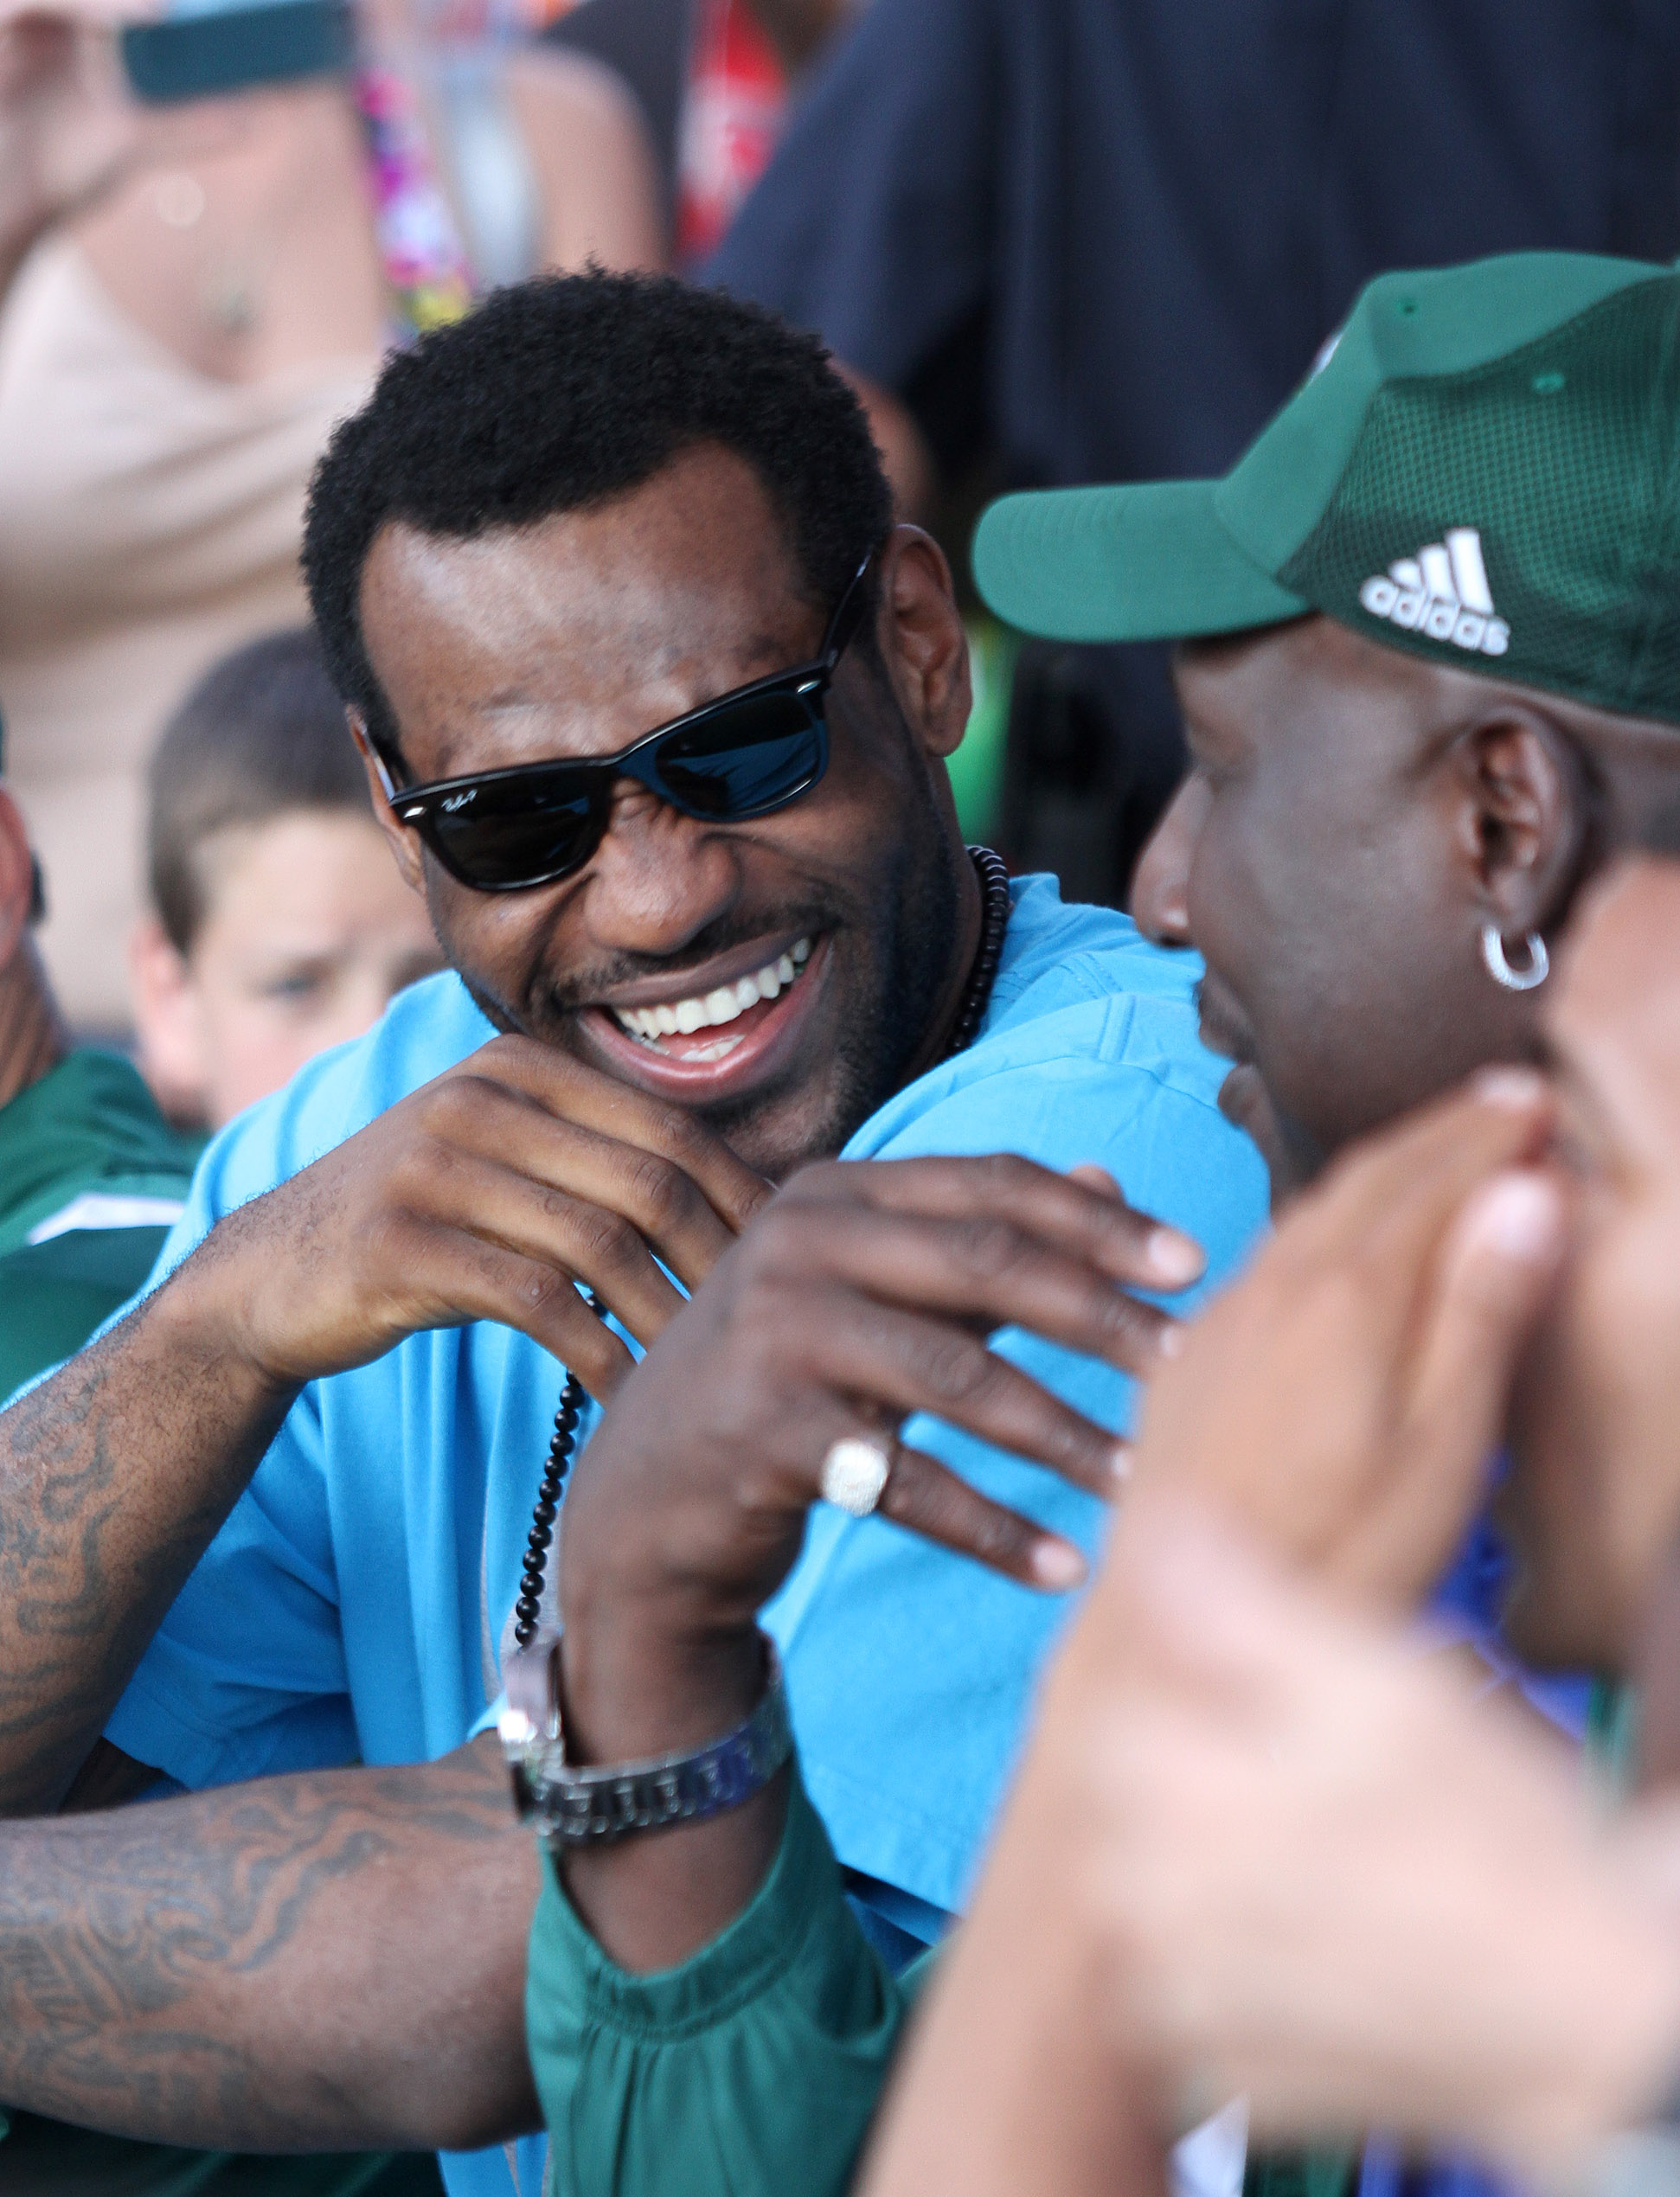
1223	1030
803	918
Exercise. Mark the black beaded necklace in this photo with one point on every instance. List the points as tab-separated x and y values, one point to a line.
994	921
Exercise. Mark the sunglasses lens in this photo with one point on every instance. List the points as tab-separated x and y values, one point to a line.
515	834
750	758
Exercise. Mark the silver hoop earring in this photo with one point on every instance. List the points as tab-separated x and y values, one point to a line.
1515	980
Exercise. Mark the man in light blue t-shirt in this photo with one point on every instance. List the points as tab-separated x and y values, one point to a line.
265	1538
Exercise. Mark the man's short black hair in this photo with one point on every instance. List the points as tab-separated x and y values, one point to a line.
568	391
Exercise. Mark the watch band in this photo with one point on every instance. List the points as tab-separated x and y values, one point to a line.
573	1805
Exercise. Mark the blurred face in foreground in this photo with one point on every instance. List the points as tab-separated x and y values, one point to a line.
1592	1507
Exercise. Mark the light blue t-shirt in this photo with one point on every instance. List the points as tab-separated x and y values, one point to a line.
351	1606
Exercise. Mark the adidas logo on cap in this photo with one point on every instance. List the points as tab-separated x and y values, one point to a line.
1442	592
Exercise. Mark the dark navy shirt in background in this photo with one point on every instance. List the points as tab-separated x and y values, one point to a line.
1102	239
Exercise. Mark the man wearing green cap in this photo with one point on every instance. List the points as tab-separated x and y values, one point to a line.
1431	682
1430	675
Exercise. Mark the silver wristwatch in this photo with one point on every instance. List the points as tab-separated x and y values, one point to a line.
574	1805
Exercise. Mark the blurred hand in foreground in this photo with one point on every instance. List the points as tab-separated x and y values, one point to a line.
1592	1503
1335	1409
1341	1402
1333	1881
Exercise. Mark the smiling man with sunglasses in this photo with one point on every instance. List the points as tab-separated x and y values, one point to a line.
657	701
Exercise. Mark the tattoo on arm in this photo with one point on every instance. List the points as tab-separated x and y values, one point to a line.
329	1961
115	1475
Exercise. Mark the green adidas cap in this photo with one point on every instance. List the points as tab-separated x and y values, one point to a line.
1484	469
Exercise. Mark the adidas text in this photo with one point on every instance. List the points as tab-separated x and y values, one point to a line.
1442	592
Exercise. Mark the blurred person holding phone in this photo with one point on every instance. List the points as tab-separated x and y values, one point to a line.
196	288
280	924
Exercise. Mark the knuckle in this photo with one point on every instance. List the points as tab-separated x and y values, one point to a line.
602	1240
425	1163
685	1140
817	1183
777	1242
996	1538
993	1246
1126	1317
455	1102
1006	1174
659	1191
956	1370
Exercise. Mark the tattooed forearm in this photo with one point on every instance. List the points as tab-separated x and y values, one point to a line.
115	1475
331	1960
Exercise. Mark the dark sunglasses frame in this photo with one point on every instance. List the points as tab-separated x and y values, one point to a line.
594	777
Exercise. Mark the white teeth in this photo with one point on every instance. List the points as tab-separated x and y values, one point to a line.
682	1017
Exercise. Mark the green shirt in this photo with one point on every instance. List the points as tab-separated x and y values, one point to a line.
91	1178
754	2069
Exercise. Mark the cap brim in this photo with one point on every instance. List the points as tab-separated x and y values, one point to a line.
1148	562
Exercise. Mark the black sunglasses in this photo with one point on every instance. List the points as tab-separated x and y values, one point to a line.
746	754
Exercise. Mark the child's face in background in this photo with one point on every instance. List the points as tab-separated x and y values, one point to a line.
308	932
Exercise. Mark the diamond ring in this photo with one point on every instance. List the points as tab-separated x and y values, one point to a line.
854	1474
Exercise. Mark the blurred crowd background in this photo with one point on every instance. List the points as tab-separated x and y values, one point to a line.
1053	241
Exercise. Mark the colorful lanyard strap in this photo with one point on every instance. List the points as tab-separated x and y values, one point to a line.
419	238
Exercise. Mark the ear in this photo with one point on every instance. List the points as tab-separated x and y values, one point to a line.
16	880
381	788
1523	816
168	1026
922	642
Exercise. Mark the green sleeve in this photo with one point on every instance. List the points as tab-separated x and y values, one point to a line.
54	1295
752	2070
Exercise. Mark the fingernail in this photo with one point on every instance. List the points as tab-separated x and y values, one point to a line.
1518	1217
1120	1461
1171	1340
1521	1088
1175	1259
1057	1565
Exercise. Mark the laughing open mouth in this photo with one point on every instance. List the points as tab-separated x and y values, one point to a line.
680	1029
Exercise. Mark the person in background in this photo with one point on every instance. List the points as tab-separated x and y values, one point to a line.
1082	241
713	79
278	924
193	296
91	1175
